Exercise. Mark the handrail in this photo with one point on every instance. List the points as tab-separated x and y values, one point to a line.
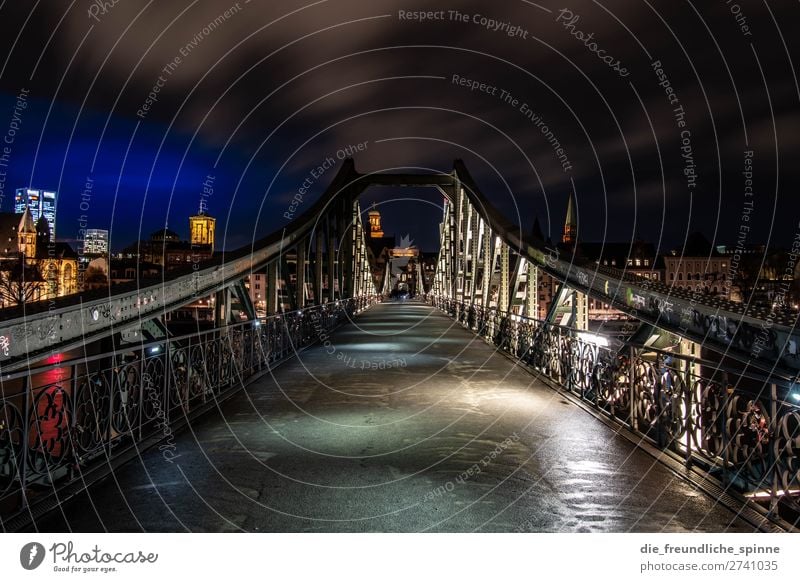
30	371
748	440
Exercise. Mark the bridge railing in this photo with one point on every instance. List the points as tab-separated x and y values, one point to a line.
61	421
740	427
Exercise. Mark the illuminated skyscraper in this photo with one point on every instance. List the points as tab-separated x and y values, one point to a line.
95	242
40	202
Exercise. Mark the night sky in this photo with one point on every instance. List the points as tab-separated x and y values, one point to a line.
266	94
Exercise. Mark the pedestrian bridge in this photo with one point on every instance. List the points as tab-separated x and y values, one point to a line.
403	421
340	410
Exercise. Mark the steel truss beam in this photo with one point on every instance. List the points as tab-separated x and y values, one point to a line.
765	339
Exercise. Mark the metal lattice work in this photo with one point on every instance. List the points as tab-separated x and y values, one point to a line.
58	422
487	262
484	260
694	409
330	262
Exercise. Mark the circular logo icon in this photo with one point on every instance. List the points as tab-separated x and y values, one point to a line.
31	555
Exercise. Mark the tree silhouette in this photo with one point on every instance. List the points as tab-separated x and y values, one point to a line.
19	283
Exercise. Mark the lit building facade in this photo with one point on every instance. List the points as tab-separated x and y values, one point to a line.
32	267
698	267
95	242
40	203
256	284
375	229
201	230
166	248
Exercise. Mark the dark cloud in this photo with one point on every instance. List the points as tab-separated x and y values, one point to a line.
276	87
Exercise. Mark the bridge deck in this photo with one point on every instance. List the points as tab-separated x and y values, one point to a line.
326	446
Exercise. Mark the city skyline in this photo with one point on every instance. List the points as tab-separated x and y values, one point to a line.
149	172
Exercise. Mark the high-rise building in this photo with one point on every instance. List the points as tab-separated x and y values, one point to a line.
40	203
95	242
201	230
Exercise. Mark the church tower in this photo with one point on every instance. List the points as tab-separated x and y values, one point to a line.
375	229
570	223
26	235
201	230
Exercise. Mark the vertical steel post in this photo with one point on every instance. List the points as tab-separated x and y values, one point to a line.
689	425
488	266
503	291
773	455
532	291
725	442
475	232
300	289
331	223
632	388
272	288
26	418
318	263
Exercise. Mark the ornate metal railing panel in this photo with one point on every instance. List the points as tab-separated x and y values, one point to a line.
59	421
747	437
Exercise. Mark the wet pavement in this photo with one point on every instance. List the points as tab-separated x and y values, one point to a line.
405	422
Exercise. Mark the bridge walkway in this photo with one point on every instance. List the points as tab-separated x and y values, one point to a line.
400	421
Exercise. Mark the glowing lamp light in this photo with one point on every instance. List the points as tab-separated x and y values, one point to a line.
796	396
155	350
